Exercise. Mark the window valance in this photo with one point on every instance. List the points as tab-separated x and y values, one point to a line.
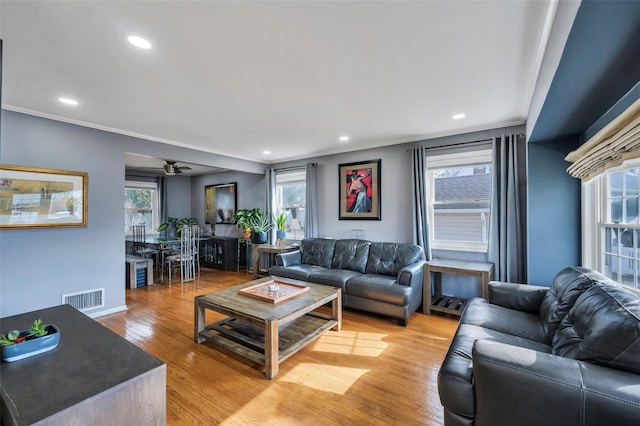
617	142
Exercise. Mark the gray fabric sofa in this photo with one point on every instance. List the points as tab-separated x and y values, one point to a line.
565	355
383	278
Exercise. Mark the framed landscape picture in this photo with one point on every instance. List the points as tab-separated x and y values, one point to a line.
42	198
359	190
220	202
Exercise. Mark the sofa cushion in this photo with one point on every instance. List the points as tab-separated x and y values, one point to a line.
519	297
317	251
455	379
379	287
567	286
603	327
518	323
296	272
332	277
351	254
389	258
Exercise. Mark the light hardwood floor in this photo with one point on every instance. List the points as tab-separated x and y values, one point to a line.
371	372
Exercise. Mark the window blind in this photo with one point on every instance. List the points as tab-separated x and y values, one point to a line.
617	142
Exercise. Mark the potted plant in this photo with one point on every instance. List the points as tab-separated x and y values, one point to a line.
243	218
281	225
260	225
22	344
177	225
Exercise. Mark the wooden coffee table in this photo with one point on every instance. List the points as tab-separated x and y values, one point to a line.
264	332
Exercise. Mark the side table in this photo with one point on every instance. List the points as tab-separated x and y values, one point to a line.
267	250
451	304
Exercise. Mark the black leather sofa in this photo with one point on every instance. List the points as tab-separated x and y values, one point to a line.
383	278
565	355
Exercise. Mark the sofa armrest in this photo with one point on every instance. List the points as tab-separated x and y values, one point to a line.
518	383
290	258
411	275
521	297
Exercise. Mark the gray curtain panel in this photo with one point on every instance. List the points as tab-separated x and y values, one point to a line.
269	191
419	199
506	229
311	203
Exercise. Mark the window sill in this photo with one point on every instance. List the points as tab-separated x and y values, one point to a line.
459	246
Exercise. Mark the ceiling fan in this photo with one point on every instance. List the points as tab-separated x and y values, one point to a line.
170	168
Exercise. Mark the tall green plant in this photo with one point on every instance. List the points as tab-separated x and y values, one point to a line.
260	223
281	221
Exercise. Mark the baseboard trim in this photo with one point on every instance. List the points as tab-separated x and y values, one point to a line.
107	312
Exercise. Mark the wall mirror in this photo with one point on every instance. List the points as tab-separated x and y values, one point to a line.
220	202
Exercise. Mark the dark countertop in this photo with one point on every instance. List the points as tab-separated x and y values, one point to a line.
89	359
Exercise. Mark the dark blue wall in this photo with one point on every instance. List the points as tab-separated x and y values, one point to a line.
599	65
621	106
596	79
553	211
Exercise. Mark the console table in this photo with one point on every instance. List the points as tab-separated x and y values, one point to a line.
268	250
93	377
451	304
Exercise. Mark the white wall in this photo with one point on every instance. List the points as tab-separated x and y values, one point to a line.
250	188
179	194
395	196
38	266
396	193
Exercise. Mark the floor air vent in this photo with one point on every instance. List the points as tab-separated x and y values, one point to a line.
85	300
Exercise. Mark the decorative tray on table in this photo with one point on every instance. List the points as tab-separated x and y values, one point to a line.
273	291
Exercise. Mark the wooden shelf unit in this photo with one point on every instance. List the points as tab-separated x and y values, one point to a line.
451	304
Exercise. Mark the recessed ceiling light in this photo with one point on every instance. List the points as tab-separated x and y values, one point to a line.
139	42
459	116
344	138
68	101
266	152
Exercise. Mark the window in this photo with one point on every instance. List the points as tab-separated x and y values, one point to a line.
141	206
459	200
290	197
620	232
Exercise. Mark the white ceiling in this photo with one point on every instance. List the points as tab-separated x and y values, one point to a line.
239	77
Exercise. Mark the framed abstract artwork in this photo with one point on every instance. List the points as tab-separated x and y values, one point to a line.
42	198
220	202
359	190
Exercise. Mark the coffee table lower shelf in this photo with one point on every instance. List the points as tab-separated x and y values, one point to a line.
247	340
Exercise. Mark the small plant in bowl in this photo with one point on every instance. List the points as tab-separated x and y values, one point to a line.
16	336
12	337
39	338
38	329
